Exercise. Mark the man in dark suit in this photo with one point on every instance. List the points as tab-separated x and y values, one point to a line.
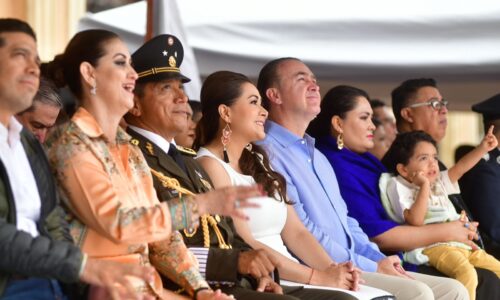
480	187
159	114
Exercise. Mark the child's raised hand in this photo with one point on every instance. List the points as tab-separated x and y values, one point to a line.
418	178
489	141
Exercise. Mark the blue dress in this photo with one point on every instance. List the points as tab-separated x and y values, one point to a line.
358	176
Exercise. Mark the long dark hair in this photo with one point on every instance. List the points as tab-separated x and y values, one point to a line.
223	88
337	102
85	46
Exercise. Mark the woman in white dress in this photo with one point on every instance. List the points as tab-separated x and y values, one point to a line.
232	119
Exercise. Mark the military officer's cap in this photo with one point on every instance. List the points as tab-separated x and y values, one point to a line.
159	58
489	108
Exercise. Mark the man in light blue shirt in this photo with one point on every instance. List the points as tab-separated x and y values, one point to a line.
339	234
291	95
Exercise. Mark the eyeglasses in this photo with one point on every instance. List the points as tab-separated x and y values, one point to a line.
434	103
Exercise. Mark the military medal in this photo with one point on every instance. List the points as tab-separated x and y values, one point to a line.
172	62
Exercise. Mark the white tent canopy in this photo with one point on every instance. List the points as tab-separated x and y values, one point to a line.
372	44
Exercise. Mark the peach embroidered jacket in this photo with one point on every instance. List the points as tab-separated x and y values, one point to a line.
116	215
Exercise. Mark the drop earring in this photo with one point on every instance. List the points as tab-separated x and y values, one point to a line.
340	141
226	136
93	90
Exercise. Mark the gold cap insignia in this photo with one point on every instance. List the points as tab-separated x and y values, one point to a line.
172	62
134	142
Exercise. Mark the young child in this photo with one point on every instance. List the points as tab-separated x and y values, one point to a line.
419	195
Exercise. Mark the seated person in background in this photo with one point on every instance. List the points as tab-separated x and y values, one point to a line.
461	150
41	116
106	182
419	195
380	140
229	156
419	105
290	93
384	114
188	135
480	186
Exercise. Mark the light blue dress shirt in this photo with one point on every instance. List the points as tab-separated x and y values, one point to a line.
312	186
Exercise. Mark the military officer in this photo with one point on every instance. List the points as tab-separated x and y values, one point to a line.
159	113
480	186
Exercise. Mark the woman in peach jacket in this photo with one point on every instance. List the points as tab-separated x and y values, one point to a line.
106	182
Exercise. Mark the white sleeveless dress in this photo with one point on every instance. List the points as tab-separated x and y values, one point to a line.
267	221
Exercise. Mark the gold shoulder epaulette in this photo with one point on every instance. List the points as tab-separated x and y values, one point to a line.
187	151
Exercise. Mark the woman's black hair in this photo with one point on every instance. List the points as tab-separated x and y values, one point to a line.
337	102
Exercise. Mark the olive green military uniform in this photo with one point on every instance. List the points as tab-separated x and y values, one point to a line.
221	263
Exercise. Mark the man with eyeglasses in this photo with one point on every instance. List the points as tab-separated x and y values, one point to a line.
418	105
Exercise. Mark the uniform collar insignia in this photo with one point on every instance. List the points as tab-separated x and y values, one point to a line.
187	151
149	147
206	183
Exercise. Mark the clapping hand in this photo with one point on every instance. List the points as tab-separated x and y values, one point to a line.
228	201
